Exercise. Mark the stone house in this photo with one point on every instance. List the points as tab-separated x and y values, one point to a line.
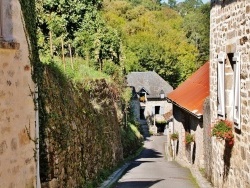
188	101
149	97
17	119
229	90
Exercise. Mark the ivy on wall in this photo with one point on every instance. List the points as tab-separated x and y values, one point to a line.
79	136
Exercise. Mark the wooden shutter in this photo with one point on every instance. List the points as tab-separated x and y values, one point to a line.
153	110
221	85
161	110
236	103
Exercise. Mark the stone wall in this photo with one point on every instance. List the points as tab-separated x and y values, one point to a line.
17	119
81	130
229	33
207	139
184	121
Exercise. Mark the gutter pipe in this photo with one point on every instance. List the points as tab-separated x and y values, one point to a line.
38	182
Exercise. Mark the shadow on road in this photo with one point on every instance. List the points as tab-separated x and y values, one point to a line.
137	184
149	153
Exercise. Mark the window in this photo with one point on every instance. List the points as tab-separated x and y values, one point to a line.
7	40
221	85
236	103
157	110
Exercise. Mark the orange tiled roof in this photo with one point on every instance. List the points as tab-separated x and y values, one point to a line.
191	94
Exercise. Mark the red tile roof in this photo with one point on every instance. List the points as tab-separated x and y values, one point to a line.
191	94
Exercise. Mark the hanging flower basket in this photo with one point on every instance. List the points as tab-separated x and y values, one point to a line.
174	136
223	130
189	138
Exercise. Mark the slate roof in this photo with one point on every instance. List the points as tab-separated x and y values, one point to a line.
190	95
150	81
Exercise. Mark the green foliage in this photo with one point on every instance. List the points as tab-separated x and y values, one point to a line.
153	40
223	129
189	138
126	96
174	136
160	122
132	140
189	6
78	22
172	3
78	131
196	26
29	14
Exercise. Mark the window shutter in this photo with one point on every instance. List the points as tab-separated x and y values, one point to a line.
153	110
236	103
221	85
161	110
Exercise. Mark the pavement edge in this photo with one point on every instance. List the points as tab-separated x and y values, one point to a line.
114	177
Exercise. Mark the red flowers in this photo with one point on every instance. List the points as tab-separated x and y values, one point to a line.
223	129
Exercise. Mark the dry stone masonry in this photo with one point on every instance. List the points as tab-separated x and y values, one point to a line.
229	34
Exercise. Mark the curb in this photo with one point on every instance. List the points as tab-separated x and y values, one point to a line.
114	177
201	181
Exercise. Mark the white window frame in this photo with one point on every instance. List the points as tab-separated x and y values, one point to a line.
221	85
236	102
153	110
161	110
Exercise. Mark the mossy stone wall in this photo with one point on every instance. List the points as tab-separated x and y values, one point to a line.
80	135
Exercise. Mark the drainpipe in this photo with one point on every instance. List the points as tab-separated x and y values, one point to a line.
38	182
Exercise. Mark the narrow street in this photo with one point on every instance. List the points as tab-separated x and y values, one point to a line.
151	169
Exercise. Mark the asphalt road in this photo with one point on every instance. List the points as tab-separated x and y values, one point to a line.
151	169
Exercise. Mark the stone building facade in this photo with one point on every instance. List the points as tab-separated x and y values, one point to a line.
188	100
229	90
185	122
149	102
17	114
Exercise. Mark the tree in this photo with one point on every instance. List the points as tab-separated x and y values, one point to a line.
60	17
172	3
196	26
78	22
155	40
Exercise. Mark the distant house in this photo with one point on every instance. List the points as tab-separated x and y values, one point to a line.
149	95
188	101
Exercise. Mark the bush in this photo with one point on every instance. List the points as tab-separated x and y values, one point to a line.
132	140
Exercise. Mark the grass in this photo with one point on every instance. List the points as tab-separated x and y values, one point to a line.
193	180
80	72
